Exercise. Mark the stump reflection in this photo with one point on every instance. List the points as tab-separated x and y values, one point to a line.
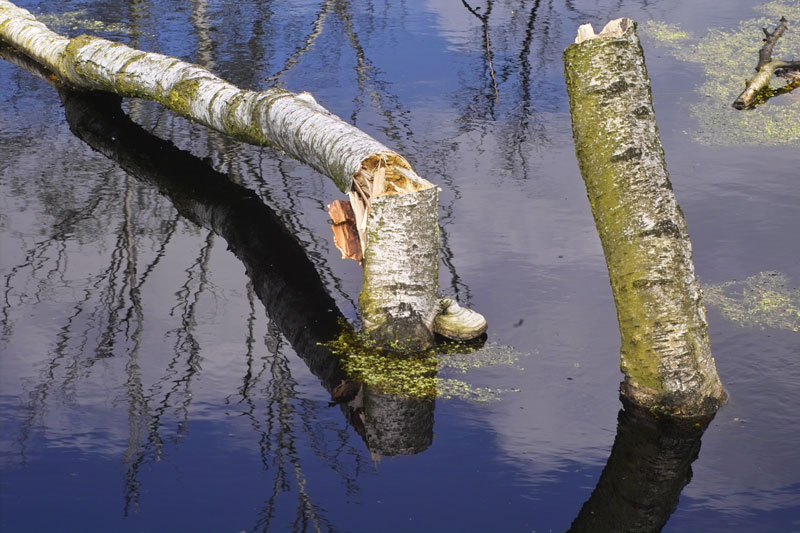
649	465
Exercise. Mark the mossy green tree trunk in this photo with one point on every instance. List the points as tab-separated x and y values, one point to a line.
665	352
399	294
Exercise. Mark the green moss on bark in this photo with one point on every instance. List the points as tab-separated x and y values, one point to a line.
664	353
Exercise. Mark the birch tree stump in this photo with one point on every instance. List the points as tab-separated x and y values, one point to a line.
665	353
396	210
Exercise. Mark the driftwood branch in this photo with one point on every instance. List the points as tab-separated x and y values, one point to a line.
765	69
770	40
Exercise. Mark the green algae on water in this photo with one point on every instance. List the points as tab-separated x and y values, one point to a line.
74	22
418	375
765	300
666	33
728	58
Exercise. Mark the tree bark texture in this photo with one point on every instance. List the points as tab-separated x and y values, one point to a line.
665	351
396	302
293	123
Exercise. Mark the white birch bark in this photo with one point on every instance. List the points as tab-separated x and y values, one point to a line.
665	353
293	123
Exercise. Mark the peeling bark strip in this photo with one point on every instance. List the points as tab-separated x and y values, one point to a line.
665	353
345	235
395	210
765	68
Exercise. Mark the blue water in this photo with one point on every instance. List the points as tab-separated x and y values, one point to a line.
148	382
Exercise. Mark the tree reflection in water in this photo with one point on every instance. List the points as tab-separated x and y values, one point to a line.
650	463
297	303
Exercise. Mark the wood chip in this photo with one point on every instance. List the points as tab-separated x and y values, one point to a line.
345	233
346	239
360	209
361	189
340	211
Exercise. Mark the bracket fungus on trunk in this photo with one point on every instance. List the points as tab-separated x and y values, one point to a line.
665	352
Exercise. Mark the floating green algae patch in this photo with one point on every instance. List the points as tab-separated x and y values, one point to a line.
728	58
765	300
665	33
77	22
418	375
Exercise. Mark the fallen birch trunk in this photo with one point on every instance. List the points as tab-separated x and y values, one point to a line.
665	352
283	278
766	67
396	213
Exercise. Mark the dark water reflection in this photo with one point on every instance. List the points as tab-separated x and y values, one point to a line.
649	465
162	306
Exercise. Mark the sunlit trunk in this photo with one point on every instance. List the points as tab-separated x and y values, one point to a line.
665	353
398	219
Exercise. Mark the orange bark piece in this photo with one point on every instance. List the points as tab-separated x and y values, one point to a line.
345	234
340	211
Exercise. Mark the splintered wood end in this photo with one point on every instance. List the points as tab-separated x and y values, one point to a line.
345	233
614	28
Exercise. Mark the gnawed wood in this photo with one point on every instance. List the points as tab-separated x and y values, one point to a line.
345	234
665	353
765	68
614	28
379	181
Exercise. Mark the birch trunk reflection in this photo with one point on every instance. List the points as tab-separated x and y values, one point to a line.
649	465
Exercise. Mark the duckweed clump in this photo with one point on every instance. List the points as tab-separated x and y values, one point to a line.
666	33
765	300
74	22
728	58
417	374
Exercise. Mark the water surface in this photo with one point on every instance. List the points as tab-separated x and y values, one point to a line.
149	379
